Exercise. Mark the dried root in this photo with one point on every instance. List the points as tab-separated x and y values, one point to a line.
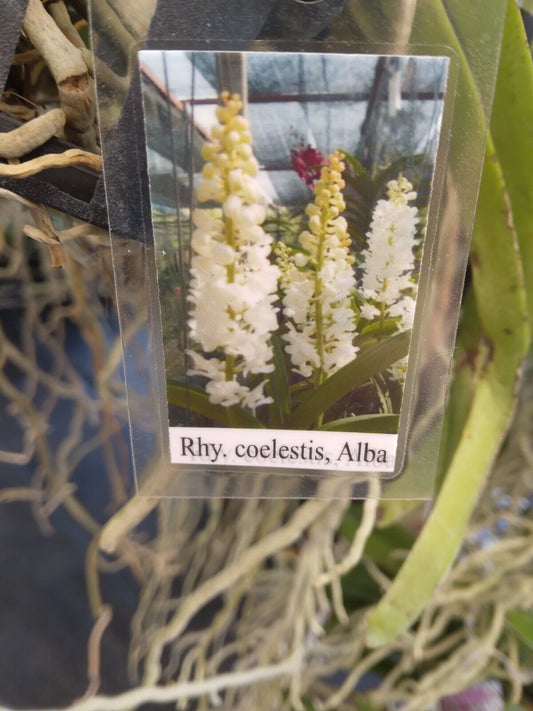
69	69
30	135
73	156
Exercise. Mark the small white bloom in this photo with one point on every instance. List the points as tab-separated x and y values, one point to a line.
232	206
252	399
222	253
209	190
225	392
209	367
302	350
369	312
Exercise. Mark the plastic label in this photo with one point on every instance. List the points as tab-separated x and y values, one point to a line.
289	202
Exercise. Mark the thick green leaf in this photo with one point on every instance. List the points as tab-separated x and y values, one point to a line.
522	623
196	400
386	424
513	138
471	114
470	356
501	305
514	145
477	47
370	362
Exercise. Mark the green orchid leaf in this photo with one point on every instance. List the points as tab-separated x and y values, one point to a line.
501	302
375	331
514	143
279	386
192	398
386	424
468	365
354	163
501	305
367	364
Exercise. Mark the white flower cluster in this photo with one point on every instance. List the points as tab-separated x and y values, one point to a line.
389	261
233	283
318	284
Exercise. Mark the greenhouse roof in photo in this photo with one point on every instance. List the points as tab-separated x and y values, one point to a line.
376	108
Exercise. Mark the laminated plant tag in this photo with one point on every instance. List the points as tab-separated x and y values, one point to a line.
291	188
291	199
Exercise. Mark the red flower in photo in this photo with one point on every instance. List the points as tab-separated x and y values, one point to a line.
307	162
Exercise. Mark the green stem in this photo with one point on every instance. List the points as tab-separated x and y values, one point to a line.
320	374
229	371
230	241
319	316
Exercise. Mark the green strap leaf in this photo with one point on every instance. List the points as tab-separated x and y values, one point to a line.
501	300
468	365
501	305
377	330
370	362
386	424
513	140
194	399
279	386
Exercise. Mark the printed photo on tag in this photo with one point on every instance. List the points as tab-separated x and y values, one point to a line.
289	201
